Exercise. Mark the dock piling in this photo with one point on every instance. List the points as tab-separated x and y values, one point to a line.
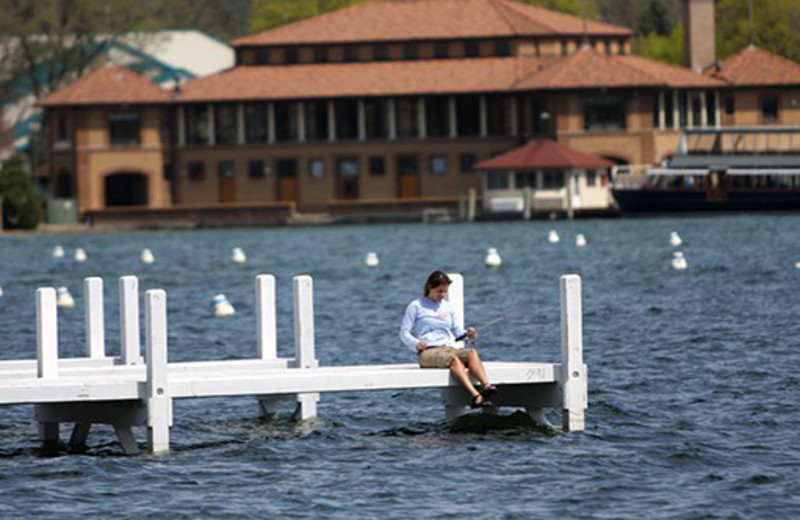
303	292
95	328
265	317
129	320
159	402
573	380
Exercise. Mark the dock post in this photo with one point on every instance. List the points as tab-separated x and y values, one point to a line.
95	327
573	380
265	317
454	398
303	291
47	354
471	204
159	402
129	320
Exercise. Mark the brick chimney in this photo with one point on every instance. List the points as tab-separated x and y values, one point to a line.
698	39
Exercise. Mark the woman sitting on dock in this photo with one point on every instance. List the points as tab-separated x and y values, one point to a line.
430	329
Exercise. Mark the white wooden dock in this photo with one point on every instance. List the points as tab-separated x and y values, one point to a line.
125	391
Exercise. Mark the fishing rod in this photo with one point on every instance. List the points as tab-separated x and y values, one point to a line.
487	324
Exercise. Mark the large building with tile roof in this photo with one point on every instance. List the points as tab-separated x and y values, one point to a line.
386	104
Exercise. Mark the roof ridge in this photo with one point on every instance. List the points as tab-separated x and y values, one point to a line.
512	6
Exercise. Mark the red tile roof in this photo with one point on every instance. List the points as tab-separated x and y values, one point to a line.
544	154
754	66
395	20
589	69
108	84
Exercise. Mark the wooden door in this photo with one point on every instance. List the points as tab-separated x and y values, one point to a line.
287	189
227	191
408	185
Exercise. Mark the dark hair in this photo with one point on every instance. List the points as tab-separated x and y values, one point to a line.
436	279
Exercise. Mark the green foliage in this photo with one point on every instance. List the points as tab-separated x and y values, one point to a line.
655	19
573	7
775	27
22	207
668	49
268	14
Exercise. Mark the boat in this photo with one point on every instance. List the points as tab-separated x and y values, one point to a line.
722	169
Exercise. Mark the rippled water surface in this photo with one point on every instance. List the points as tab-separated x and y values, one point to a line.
693	389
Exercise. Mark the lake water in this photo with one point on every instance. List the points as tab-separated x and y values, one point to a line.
693	376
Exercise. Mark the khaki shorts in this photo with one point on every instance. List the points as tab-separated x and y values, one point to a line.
441	357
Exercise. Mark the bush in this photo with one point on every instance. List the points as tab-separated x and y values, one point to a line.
22	206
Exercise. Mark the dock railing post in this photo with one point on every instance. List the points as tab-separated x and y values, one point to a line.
129	320
47	353
159	402
265	317
453	397
573	371
93	312
303	291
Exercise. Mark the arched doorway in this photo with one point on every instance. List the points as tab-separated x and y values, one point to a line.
126	189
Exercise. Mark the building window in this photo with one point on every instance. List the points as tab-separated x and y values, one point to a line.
346	118
438	164
166	172
564	47
498	113
621	48
225	170
123	128
197	171
411	51
407	164
377	165
591	178
437	116
553	180
291	55
381	53
497	180
225	123
196	124
256	129
669	110
604	113
730	106
347	166
441	50
468	115
407	117
466	161
376	118
471	49
683	109
321	55
769	108
711	108
316	120
285	120
255	170
262	56
347	171
351	53
62	128
502	48
525	180
316	168
286	168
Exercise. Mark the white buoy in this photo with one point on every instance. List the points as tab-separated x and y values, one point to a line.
222	307
678	261
147	256
80	255
238	256
58	252
675	239
492	258
64	298
580	240
553	237
797	265
371	260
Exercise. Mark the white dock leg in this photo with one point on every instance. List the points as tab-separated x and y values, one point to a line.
95	328
77	441
128	441
129	320
265	317
47	354
269	407
303	291
573	371
455	403
159	402
539	417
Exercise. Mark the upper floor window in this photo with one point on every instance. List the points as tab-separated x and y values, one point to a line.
262	56
769	108
196	123
291	55
502	48
411	51
564	47
604	113
123	128
351	53
441	50
471	49
225	123
62	127
381	53
256	129
321	55
621	49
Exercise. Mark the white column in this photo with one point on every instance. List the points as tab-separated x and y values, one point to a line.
212	135
422	122
392	120
512	116
483	116
159	403
301	121
676	111
573	372
181	126
240	123
451	105
661	114
265	317
362	120
46	333
271	121
703	110
331	121
129	319
305	358
93	317
717	110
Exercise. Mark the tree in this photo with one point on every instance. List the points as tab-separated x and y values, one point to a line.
268	14
655	19
574	7
775	26
668	49
22	206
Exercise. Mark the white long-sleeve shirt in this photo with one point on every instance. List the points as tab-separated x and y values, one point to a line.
433	322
